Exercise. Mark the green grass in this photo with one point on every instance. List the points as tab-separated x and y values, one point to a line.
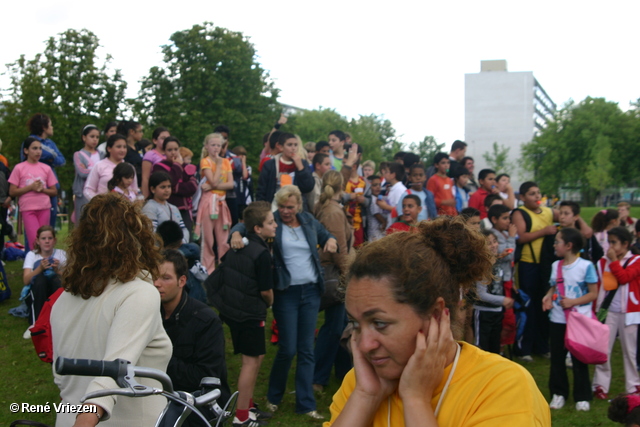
26	379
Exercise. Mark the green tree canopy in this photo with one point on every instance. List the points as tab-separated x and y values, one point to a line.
591	144
498	159
374	133
426	149
69	83
210	77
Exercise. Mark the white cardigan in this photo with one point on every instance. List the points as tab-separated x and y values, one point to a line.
123	322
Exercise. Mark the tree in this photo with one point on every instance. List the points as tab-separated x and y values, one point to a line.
71	85
426	149
588	144
498	159
210	77
376	135
315	125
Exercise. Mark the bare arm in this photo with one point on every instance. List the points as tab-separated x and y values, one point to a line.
14	191
510	201
28	273
586	231
146	173
584	299
51	191
267	296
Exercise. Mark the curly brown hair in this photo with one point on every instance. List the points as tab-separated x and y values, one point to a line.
113	240
444	258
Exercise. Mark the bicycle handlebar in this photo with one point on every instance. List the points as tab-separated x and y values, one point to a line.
124	373
116	369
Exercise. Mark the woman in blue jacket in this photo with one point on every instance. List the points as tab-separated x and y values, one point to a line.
299	287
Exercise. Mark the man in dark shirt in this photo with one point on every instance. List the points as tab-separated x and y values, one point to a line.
195	331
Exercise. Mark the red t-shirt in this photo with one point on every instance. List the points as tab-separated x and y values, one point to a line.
477	201
400	226
442	189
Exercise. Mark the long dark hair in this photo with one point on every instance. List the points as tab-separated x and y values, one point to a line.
122	170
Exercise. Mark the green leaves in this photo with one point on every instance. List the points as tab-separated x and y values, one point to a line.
69	83
592	144
498	159
210	76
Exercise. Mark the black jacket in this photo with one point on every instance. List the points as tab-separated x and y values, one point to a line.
268	183
198	346
237	295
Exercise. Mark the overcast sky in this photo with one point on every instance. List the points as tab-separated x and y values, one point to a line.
403	60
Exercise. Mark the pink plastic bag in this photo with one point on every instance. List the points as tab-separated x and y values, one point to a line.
587	339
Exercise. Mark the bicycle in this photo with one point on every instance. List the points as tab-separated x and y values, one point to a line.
180	404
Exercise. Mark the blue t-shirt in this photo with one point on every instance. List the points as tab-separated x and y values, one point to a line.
297	256
577	276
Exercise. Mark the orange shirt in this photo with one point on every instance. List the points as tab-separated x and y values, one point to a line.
442	189
209	163
354	208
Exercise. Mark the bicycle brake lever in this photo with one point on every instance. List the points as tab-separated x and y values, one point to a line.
137	391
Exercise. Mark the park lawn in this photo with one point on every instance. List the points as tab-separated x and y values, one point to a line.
27	379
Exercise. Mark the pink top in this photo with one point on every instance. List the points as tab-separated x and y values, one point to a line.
26	173
99	176
153	156
131	196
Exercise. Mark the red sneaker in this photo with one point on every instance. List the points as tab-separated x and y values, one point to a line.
599	393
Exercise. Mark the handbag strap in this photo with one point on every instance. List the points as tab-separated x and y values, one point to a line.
560	285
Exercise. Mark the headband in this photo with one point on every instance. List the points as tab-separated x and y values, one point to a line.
633	401
89	126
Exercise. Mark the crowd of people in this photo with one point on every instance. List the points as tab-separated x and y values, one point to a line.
409	264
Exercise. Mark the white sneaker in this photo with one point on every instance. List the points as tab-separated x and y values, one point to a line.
583	406
557	402
315	415
27	333
271	407
568	361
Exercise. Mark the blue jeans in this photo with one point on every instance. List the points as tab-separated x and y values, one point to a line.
328	351
296	311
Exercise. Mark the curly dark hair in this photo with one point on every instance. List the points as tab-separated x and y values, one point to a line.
442	259
113	240
621	410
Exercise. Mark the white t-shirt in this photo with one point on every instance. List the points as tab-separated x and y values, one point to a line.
32	257
576	277
393	196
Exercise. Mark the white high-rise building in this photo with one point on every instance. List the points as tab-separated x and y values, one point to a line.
509	108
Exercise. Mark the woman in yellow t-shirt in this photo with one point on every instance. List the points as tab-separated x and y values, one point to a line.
403	292
214	218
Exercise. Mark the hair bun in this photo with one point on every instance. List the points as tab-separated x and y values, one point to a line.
463	249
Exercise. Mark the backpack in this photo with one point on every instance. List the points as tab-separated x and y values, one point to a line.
41	329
